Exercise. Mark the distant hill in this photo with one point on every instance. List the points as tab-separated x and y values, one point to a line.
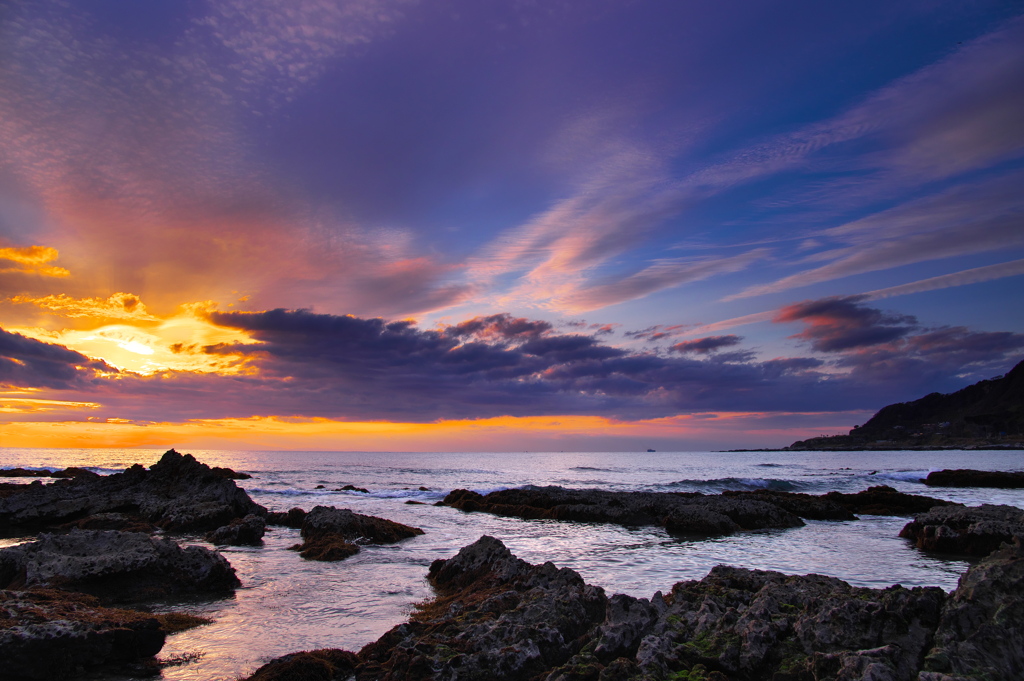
988	414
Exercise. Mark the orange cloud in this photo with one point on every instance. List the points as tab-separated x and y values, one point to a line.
32	259
117	306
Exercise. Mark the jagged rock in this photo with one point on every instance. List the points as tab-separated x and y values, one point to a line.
247	531
177	493
292	518
981	633
115	566
498	618
335	533
972	530
690	513
51	635
111	521
970	478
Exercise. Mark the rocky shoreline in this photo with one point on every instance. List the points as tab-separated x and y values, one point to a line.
75	598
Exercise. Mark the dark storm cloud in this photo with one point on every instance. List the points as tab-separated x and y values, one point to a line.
28	363
841	323
707	344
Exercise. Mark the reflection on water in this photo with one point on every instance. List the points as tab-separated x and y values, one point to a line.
288	604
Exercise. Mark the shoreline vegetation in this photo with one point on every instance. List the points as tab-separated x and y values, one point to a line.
75	598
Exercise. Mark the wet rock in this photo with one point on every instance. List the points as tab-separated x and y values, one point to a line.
971	478
292	518
331	533
314	665
806	506
53	635
499	618
981	633
115	566
496	617
691	513
247	531
352	488
971	530
884	500
177	493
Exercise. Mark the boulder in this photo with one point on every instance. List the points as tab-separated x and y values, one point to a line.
884	500
981	633
116	566
331	533
52	635
247	531
970	478
972	530
313	665
177	493
292	518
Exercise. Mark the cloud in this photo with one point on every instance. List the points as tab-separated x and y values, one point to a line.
28	363
974	275
841	323
118	306
971	218
31	260
707	344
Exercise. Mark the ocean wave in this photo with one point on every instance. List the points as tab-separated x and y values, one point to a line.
902	476
722	484
593	468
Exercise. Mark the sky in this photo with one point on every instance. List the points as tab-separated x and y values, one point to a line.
458	225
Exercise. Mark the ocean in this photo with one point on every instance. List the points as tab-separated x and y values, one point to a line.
288	604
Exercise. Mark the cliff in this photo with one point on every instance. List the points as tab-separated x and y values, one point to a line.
988	414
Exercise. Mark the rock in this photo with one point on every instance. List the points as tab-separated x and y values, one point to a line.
313	665
334	533
111	521
115	566
981	633
495	617
803	505
229	474
292	518
70	472
972	530
884	500
52	635
691	513
352	488
498	618
247	531
177	493
972	478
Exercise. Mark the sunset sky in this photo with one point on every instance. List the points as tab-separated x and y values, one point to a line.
503	224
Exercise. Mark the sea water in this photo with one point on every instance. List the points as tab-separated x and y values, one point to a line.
288	604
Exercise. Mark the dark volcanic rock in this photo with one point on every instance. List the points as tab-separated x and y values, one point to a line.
115	566
498	618
247	531
292	518
334	533
70	472
312	665
981	634
884	500
970	478
178	494
679	513
972	530
111	521
52	635
803	505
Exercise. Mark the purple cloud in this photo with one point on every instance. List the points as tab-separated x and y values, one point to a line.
707	344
